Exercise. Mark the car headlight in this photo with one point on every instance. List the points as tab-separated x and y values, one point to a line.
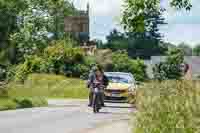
131	88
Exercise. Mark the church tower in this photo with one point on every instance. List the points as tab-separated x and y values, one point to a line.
88	9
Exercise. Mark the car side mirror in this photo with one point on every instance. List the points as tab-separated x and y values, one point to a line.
137	82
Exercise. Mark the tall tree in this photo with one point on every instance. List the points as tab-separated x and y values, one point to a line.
196	50
187	50
9	10
39	20
171	67
135	13
142	18
117	40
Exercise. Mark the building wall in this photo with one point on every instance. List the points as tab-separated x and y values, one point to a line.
78	24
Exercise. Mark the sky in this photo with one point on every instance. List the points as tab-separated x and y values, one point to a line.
183	26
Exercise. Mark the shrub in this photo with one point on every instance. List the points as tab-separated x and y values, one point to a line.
30	102
168	107
23	102
171	68
122	63
63	58
31	64
64	53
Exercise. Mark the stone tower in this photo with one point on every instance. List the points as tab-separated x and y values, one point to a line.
79	25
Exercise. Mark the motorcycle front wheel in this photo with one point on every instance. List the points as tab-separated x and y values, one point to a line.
96	107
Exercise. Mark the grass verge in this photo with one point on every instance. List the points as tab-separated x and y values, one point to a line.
37	88
17	103
168	107
51	86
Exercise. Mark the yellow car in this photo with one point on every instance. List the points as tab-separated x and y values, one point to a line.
121	85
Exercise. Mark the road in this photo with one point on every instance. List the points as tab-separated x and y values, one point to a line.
67	116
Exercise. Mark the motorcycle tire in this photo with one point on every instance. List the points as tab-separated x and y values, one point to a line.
96	106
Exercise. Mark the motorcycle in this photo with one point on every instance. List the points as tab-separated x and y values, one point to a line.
98	88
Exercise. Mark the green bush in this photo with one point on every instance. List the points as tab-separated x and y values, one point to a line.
58	58
171	68
23	102
122	63
64	59
30	102
32	64
168	107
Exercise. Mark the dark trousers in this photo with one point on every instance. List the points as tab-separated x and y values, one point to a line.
91	98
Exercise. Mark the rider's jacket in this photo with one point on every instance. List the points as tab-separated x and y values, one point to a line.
92	79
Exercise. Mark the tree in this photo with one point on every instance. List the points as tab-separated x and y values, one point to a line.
142	47
171	67
196	50
141	20
9	10
37	22
187	50
99	43
117	41
135	13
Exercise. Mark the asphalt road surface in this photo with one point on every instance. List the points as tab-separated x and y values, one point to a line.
67	116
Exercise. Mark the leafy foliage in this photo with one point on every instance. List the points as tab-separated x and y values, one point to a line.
142	15
142	47
31	64
122	63
197	50
187	50
171	68
59	58
28	102
30	25
119	61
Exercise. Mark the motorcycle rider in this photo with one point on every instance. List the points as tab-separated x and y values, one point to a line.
96	75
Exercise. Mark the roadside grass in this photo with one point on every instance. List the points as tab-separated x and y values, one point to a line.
7	104
49	86
22	102
37	88
168	107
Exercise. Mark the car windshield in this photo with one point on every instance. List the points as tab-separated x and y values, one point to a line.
116	79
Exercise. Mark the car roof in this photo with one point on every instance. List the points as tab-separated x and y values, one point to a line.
120	74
